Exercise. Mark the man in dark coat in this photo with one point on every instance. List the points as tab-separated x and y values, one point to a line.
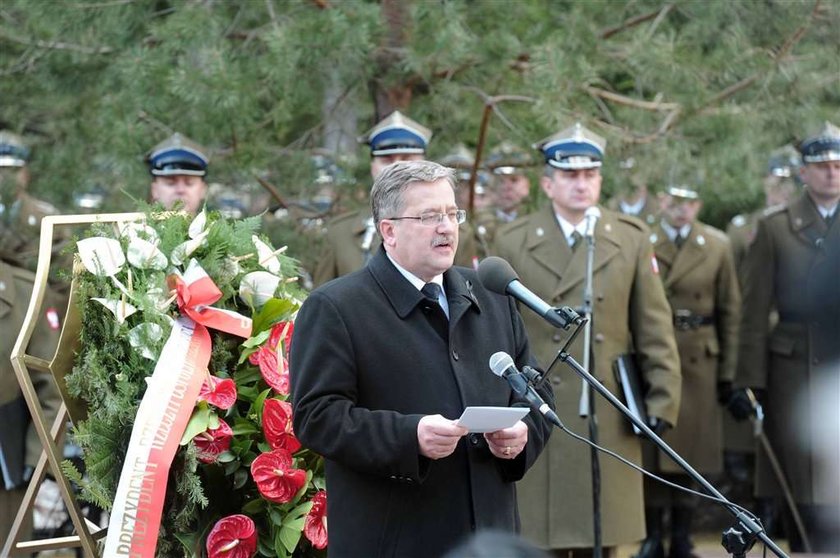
793	360
380	369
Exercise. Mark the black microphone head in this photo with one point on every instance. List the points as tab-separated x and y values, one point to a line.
496	274
500	361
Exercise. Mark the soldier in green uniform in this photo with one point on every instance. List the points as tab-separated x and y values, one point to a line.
634	198
20	212
698	273
792	359
178	166
630	314
779	186
780	183
19	444
351	239
508	166
20	224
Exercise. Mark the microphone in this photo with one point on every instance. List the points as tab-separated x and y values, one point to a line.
498	276
591	215
502	365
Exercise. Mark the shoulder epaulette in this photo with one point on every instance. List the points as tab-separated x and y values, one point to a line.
717	233
773	209
635	222
343	217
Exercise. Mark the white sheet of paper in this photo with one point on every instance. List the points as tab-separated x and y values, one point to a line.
490	419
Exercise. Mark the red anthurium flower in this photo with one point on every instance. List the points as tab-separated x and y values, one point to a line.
281	332
276	479
315	527
277	425
212	442
272	360
234	536
219	392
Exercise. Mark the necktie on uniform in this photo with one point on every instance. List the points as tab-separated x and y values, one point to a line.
576	238
679	240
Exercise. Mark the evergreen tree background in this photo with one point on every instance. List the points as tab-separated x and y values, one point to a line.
697	92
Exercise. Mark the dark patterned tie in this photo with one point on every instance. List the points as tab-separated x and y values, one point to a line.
432	292
829	219
576	237
679	240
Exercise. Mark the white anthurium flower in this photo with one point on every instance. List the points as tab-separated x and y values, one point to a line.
142	254
144	337
257	287
266	255
133	229
197	225
119	308
101	256
185	249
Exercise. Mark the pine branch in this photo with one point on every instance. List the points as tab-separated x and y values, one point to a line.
630	102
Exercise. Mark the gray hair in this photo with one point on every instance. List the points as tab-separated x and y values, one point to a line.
386	195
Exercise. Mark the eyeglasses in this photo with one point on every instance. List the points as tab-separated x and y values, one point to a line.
455	217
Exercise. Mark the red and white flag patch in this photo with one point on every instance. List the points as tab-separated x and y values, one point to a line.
654	265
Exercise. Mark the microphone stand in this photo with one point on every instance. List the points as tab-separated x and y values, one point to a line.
736	541
586	407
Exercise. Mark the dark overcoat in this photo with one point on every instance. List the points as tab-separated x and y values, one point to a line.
367	363
630	313
793	359
700	279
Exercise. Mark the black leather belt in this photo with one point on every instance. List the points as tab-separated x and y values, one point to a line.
685	320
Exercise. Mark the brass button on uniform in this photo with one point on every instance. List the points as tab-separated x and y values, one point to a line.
599	337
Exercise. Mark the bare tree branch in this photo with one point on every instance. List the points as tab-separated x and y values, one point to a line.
54	45
628	101
102	4
636	20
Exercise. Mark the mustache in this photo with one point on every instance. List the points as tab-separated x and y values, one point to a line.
442	240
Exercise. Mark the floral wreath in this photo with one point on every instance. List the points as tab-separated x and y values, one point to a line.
239	483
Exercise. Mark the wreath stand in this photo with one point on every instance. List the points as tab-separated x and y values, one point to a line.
87	534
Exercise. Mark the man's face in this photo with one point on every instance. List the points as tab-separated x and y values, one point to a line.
13	180
381	161
511	190
823	180
190	190
572	191
425	251
679	212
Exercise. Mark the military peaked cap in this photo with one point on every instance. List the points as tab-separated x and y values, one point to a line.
397	134
573	148
13	152
822	146
178	155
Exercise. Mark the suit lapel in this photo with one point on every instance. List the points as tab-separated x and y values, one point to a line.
688	257
806	221
459	295
606	248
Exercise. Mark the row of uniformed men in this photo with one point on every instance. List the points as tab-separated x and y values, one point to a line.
669	295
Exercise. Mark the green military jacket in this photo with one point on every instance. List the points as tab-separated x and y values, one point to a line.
631	313
791	359
15	290
701	283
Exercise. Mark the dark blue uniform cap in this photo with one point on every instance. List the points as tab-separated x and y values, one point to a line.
573	148
822	146
13	152
178	155
397	134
